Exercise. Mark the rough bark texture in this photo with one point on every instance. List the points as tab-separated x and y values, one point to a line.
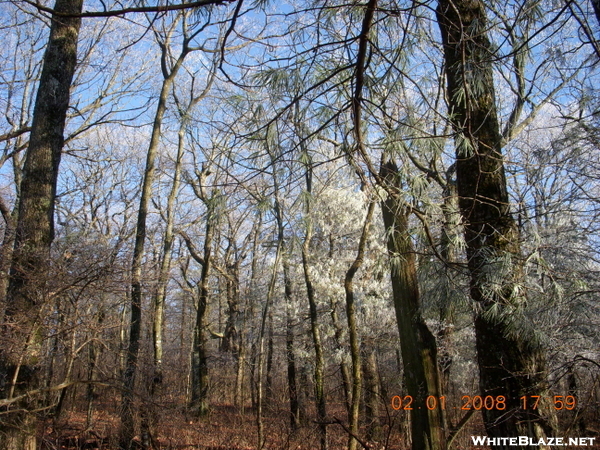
35	229
417	344
200	377
511	363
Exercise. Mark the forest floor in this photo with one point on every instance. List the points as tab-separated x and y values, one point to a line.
226	428
229	428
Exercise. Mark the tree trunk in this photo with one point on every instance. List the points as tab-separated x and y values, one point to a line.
6	252
372	393
344	368
447	307
417	344
35	229
295	414
127	431
230	339
239	398
94	352
319	374
199	402
261	337
247	318
149	416
511	362
353	331
269	394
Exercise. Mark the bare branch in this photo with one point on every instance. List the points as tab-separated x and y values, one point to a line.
122	12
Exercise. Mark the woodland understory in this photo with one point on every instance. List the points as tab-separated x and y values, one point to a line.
236	224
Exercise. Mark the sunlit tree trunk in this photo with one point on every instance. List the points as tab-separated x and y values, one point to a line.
417	343
372	392
353	330
511	362
34	231
199	401
127	431
149	416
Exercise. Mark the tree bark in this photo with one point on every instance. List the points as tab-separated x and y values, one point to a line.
417	343
372	392
6	252
35	229
295	415
199	402
319	373
127	431
511	362
261	337
344	368
353	331
447	307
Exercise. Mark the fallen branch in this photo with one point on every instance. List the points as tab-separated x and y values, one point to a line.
337	421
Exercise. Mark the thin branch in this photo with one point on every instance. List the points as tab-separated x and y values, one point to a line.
457	429
122	12
188	242
340	423
14	134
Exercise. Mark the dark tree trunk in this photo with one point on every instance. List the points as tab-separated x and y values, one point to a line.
596	5
230	335
199	402
511	363
319	374
35	229
344	368
127	431
417	343
295	415
6	252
